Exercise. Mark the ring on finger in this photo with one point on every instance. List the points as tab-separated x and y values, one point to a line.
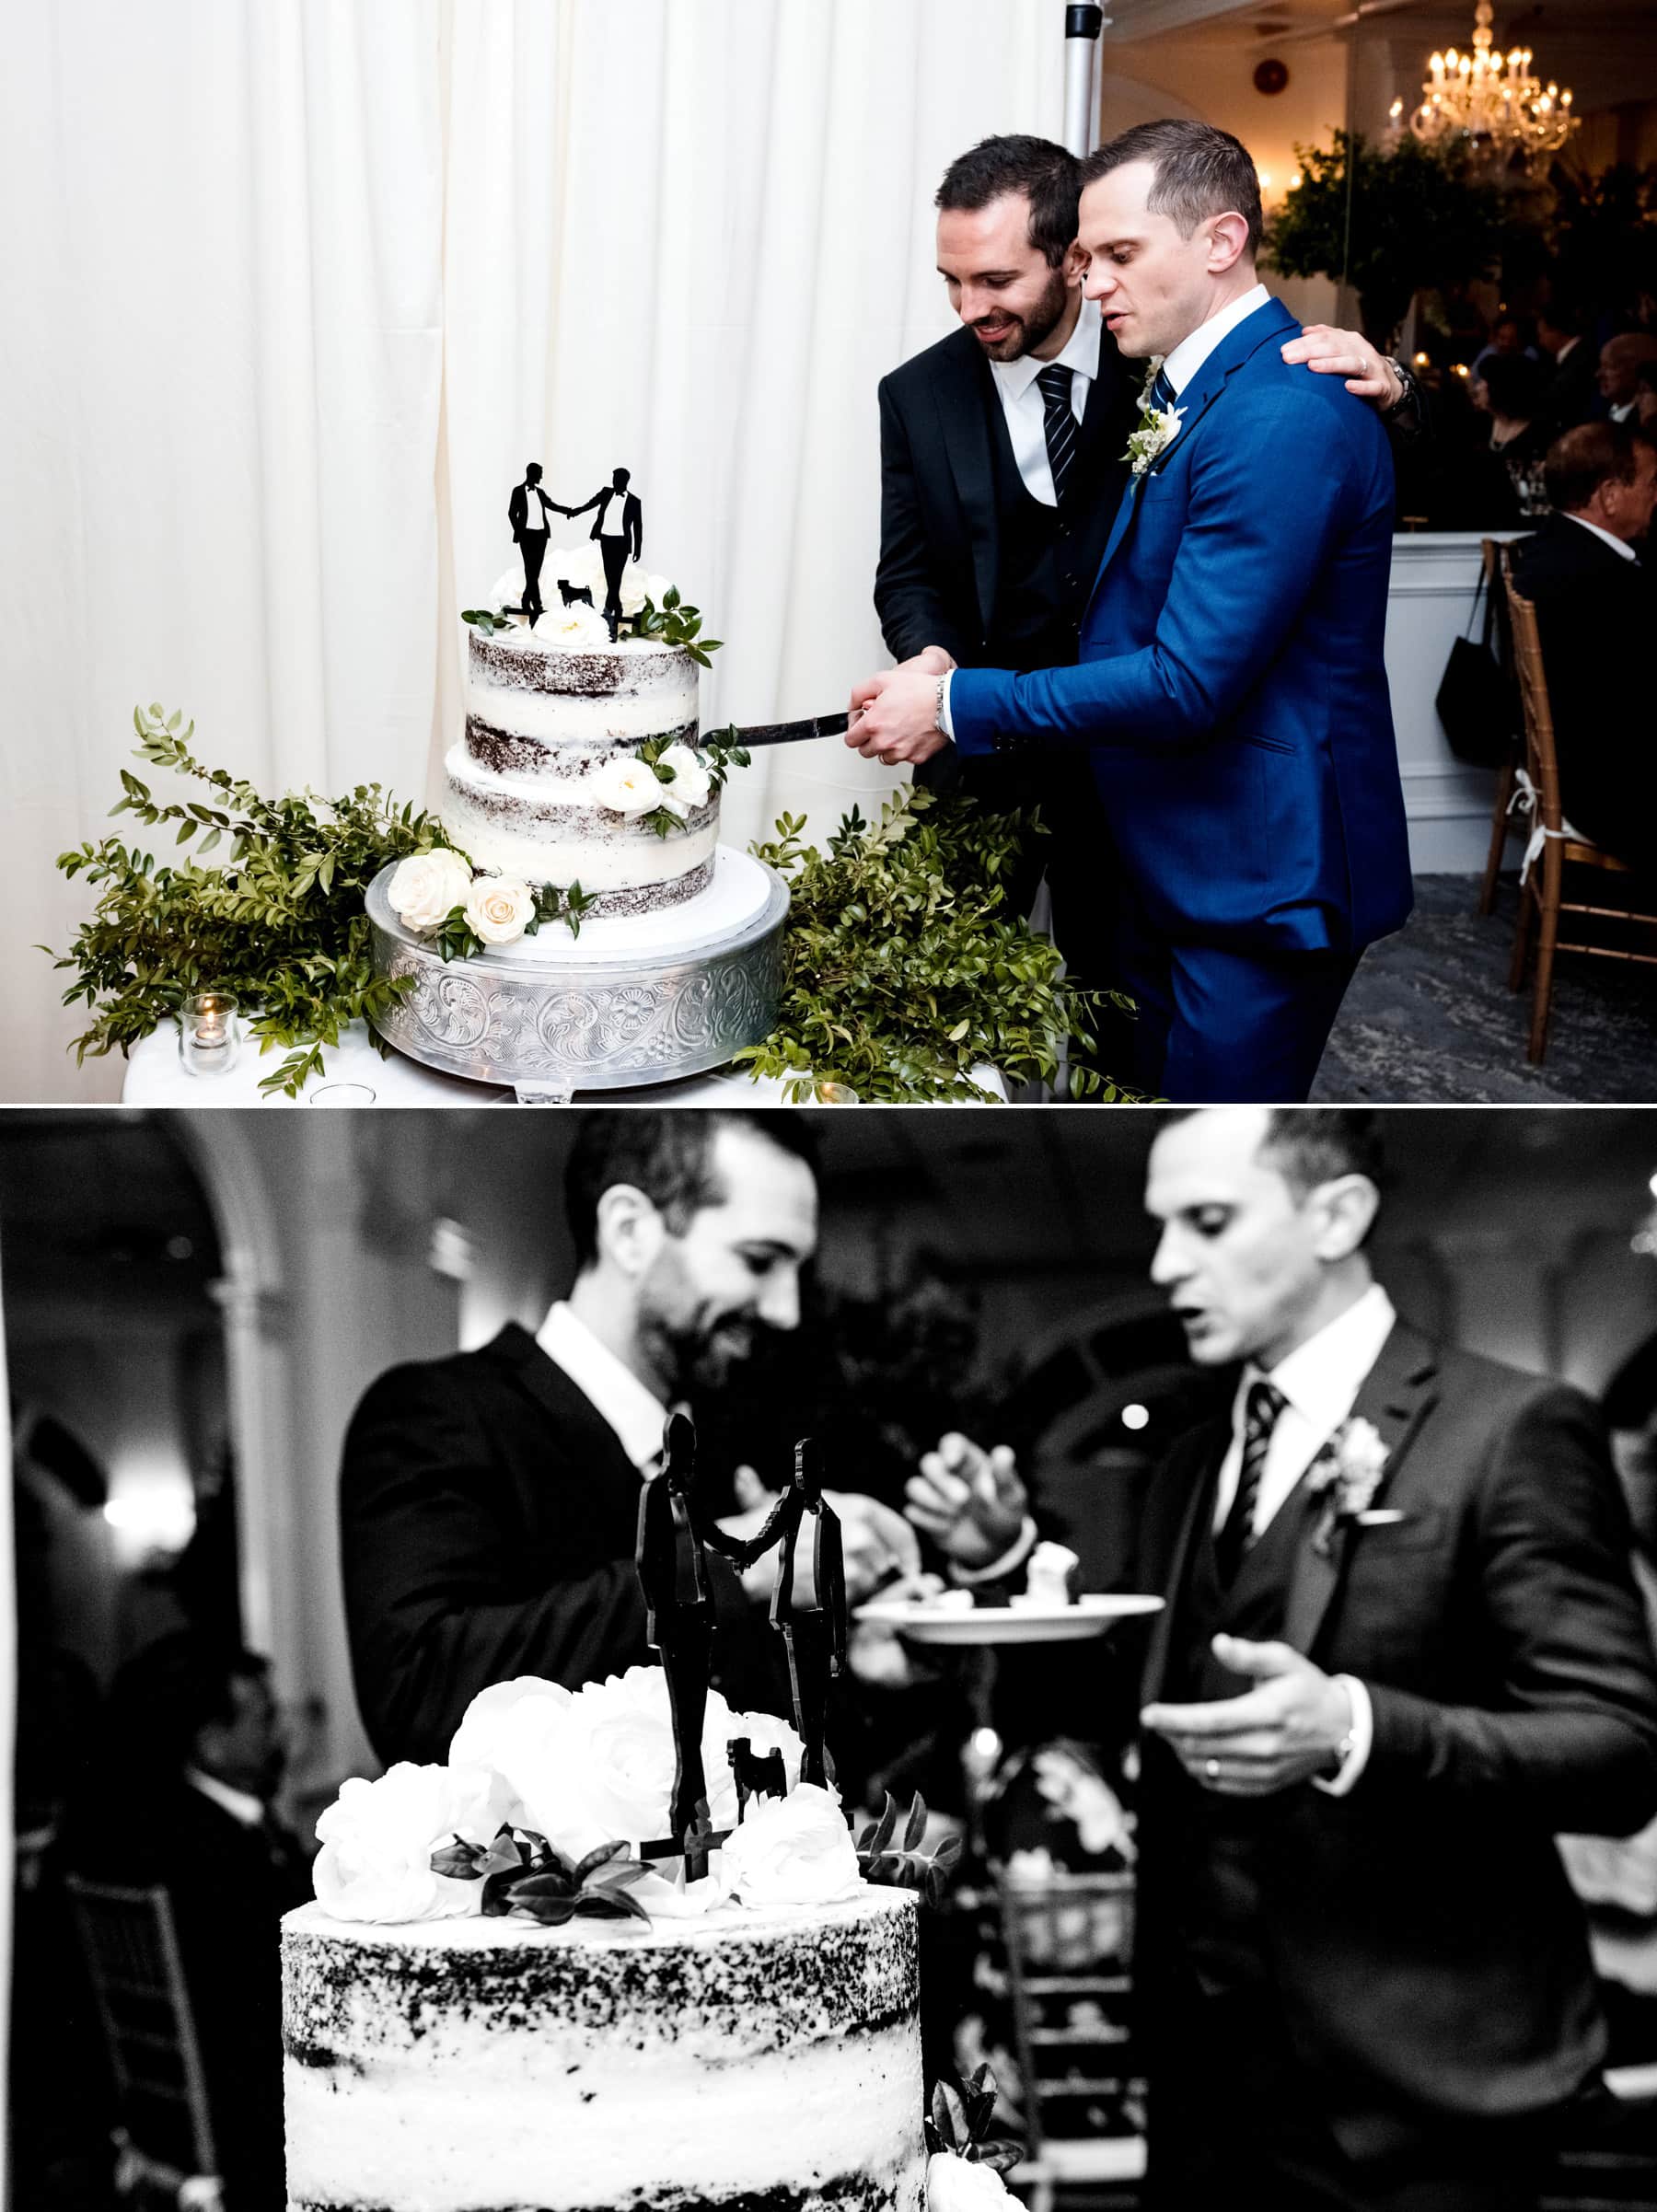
1210	1767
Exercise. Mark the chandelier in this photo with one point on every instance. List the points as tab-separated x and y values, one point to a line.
1491	103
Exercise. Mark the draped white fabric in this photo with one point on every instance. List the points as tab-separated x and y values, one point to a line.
291	290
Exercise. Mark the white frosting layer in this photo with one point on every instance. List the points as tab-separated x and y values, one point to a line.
551	717
489	2098
551	835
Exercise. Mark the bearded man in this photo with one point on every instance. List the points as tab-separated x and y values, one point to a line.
490	1501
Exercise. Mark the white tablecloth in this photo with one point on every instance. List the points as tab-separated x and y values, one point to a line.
156	1076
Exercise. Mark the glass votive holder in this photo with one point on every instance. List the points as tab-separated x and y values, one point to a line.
340	1094
209	1033
834	1093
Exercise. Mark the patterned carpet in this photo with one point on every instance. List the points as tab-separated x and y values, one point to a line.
1429	1020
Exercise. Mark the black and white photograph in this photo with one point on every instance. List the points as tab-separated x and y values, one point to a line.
704	1658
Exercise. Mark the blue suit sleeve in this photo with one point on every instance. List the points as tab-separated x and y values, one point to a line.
1274	482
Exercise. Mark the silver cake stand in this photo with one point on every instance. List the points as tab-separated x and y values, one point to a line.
626	1002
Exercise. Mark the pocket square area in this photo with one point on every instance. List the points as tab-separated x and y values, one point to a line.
1380	1516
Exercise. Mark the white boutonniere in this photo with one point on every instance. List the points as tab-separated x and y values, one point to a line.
1158	427
1346	1476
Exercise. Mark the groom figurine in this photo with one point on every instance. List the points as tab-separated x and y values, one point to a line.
529	511
1229	685
618	526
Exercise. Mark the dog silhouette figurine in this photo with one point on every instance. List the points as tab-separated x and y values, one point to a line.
757	1775
573	597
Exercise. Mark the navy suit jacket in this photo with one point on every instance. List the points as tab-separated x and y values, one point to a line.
1231	681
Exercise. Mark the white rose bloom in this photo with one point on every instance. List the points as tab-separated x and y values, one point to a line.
573	627
627	1759
508	590
690	779
626	785
791	1850
377	1840
580	566
427	886
955	2184
509	1726
498	907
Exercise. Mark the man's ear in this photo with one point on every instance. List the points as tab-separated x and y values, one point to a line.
1228	242
1075	262
630	1228
1348	1205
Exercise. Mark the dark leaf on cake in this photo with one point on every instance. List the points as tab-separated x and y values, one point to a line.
597	1858
551	1910
459	1860
611	1905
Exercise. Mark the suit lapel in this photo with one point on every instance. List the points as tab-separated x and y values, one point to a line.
577	1419
1237	346
1200	1469
1398	1394
958	396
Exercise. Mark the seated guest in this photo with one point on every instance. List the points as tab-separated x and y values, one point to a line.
1507	339
1592	602
1620	362
194	1732
1511	393
1571	386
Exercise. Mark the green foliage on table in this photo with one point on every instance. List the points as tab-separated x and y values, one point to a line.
674	623
904	968
279	920
1389	224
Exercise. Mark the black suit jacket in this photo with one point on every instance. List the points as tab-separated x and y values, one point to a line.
1593	610
1429	1955
632	518
517	510
487	1520
936	580
1574	389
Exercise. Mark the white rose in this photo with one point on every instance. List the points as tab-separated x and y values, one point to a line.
507	589
377	1840
956	2185
497	907
579	566
427	887
691	780
626	785
573	627
520	1729
791	1850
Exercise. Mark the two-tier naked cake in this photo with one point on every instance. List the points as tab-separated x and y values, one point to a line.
763	2059
582	767
539	785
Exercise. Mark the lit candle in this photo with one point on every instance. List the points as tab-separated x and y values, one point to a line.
213	1028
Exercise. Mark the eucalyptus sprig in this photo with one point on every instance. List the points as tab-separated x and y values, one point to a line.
959	2120
486	619
522	1874
675	623
279	921
904	1864
904	968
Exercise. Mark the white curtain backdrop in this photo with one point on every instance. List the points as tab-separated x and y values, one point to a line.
291	289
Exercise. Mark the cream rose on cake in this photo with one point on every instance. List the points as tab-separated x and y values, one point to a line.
690	780
377	1839
499	908
626	785
791	1850
956	2185
426	888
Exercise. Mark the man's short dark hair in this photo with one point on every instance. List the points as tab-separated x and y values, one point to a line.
166	1692
1309	1145
1517	385
1200	172
532	472
668	1156
1584	459
1034	170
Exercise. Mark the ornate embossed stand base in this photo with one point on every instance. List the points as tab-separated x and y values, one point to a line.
626	1002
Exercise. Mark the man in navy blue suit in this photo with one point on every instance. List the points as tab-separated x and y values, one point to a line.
1230	686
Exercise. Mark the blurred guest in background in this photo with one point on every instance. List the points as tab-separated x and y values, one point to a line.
1620	362
185	1803
1561	327
1508	342
1510	390
1645	397
1592	601
490	1501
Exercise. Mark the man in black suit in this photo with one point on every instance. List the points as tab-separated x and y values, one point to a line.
1572	384
490	1501
1002	453
1594	604
529	511
1402	1648
199	1758
618	526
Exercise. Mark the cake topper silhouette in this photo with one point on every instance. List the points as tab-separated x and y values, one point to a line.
529	511
618	526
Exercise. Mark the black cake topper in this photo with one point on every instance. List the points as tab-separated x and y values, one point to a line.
530	512
618	526
672	1571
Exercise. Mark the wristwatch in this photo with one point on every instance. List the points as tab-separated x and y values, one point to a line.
1409	410
943	685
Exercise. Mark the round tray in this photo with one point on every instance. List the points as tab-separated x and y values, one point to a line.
624	1005
1007	1624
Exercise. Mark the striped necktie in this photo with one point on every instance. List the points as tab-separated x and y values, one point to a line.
1058	424
1161	391
1264	1402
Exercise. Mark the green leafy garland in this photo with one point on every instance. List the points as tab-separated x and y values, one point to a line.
282	923
905	970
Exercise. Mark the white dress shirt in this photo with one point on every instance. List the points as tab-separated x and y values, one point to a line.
536	517
1190	353
615	1392
1626	413
1616	544
1026	409
1320	1381
244	1809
